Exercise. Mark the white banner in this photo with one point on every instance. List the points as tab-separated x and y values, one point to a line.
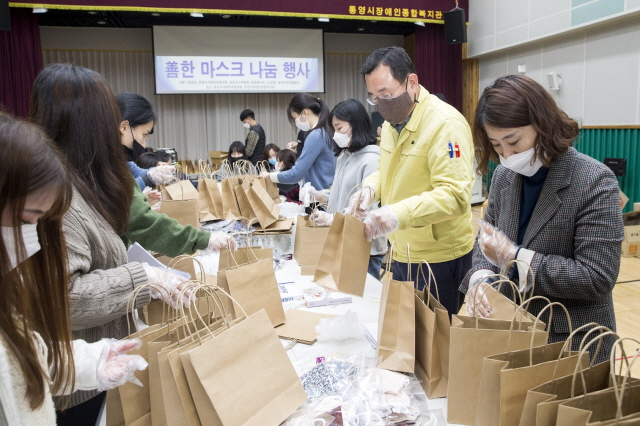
225	74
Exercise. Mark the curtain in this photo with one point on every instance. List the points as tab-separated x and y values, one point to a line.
438	65
196	124
22	61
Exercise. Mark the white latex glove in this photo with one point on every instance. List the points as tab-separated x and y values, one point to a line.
219	240
313	194
496	246
322	218
360	201
380	222
152	194
156	206
265	175
115	368
292	146
162	175
171	282
476	296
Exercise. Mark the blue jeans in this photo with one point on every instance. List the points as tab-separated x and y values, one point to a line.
448	275
375	263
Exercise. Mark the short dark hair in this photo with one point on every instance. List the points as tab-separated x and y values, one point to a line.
237	146
353	112
147	160
517	101
267	148
247	113
394	57
287	157
164	156
136	109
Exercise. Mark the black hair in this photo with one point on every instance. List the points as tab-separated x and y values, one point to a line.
267	148
317	106
353	112
147	160
164	156
441	97
394	57
287	157
136	109
247	113
237	146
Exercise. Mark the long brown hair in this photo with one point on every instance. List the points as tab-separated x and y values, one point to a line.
516	101
34	295
80	114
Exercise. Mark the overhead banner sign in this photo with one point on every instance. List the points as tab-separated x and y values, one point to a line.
429	11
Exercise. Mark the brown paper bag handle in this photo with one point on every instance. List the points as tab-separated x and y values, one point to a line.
131	304
214	288
596	327
195	286
484	290
583	351
173	262
315	209
360	186
431	277
535	324
530	274
249	248
619	393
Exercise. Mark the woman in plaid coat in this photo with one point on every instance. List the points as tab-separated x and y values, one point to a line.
550	206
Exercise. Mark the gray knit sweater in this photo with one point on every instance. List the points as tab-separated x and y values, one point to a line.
351	169
101	280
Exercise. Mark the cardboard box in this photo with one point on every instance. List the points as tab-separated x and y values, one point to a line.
629	249
217	158
631	234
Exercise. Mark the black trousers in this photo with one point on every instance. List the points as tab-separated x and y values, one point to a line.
85	414
448	275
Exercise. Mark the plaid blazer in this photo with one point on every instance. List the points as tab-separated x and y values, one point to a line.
576	231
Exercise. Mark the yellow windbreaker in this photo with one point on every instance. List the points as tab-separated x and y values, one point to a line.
427	190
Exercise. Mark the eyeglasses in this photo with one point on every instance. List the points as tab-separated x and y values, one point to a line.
375	99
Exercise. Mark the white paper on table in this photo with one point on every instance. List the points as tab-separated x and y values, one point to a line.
137	253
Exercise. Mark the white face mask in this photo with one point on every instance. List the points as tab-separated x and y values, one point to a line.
302	125
521	163
342	139
29	240
277	167
246	125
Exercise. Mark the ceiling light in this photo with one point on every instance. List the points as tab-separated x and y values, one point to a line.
373	22
197	15
155	14
323	19
309	19
92	13
102	22
419	23
360	29
226	16
39	10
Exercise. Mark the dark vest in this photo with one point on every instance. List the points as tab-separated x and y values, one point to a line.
262	141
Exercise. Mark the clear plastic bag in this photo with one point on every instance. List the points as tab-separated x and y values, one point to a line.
343	327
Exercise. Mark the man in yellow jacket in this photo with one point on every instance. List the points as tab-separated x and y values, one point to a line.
424	180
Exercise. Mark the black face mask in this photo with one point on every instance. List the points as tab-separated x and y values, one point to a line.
137	149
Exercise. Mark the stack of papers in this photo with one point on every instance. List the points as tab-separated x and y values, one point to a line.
322	297
289	292
371	333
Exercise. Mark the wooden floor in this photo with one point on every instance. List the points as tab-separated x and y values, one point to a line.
626	299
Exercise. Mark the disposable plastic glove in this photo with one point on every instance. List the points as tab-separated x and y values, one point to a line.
292	146
476	296
162	174
265	175
322	218
171	282
152	194
219	240
380	222
496	246
313	194
360	201
115	368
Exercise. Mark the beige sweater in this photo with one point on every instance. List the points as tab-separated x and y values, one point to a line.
101	280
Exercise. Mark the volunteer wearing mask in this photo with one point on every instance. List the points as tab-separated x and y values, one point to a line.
236	153
37	356
317	163
269	156
256	139
138	119
425	177
549	206
358	158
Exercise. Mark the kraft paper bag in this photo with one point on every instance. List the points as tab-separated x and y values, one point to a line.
181	190
600	408
265	209
184	211
247	374
473	339
308	244
206	204
215	196
507	377
301	325
344	259
242	256
254	286
396	326
433	331
230	208
243	201
114	414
